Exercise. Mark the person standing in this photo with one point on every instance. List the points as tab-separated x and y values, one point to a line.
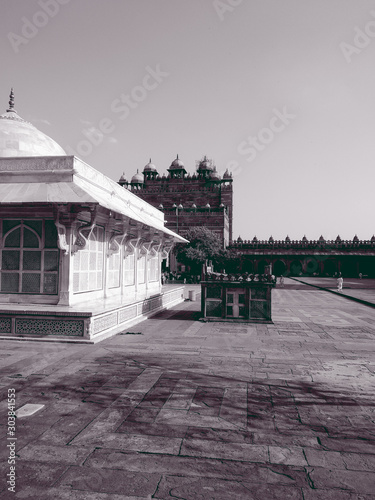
282	281
340	283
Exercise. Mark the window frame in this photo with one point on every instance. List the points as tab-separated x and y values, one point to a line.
41	249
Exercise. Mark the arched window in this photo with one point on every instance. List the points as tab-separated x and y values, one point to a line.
29	257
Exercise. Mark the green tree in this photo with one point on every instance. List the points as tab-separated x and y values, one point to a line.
203	245
230	261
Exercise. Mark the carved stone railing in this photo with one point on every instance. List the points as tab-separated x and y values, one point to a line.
239	277
303	244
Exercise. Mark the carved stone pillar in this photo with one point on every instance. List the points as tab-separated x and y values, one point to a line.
117	231
64	220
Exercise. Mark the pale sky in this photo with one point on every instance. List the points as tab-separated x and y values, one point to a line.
280	91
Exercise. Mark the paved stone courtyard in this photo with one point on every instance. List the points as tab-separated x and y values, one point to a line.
175	408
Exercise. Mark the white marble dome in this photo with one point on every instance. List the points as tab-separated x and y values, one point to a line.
20	138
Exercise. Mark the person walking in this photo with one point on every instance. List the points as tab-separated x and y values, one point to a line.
340	283
282	281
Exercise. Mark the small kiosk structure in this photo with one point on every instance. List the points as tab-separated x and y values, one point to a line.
236	297
80	256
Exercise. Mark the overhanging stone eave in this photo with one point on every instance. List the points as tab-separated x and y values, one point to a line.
69	180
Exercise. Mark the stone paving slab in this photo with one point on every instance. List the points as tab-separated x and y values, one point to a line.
54	454
70	494
361	290
203	488
120	482
193	410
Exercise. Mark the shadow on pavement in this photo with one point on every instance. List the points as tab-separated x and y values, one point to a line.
180	314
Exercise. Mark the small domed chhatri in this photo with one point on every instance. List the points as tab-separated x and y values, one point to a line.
215	176
137	178
205	169
227	175
150	172
205	164
177	164
150	167
177	169
20	138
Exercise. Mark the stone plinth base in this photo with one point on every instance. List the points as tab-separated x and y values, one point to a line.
84	323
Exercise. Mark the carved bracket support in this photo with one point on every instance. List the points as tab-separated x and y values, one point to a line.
144	247
166	247
115	242
120	232
156	244
155	248
130	244
82	239
61	233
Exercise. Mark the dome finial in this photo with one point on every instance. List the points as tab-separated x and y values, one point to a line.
11	102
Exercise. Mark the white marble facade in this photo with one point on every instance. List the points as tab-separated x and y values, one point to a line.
70	235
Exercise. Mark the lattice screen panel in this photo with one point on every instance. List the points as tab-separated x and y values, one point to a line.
88	264
129	270
26	265
31	283
9	282
113	271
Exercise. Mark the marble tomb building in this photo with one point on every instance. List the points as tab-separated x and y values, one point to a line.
80	256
